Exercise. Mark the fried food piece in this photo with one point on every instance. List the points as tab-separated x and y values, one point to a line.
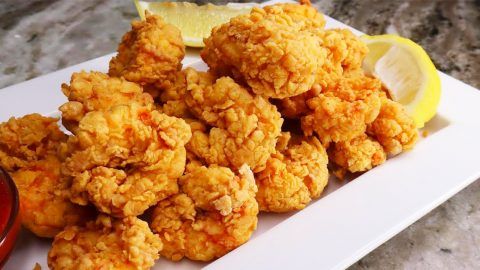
306	16
271	49
29	138
344	59
215	213
293	176
106	243
245	127
96	91
345	55
296	107
393	128
28	151
342	111
150	52
358	155
172	96
44	198
126	159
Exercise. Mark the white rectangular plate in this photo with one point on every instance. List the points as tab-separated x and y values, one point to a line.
350	220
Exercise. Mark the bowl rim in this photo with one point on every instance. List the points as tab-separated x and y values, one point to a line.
15	204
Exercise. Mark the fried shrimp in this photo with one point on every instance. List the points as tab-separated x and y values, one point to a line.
342	111
106	243
126	159
29	138
358	155
44	198
293	176
244	128
96	91
344	59
149	53
393	128
273	50
215	213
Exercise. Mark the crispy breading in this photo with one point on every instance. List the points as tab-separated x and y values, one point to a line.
344	59
29	138
215	213
126	159
342	111
29	148
106	243
273	50
305	16
393	128
358	155
296	106
96	91
244	128
345	55
172	96
149	53
44	198
293	176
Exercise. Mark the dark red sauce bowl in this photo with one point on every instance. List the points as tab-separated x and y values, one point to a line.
9	215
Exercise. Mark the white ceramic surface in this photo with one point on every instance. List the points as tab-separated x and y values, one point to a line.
350	220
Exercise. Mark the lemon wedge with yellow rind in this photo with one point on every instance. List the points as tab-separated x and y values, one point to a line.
194	21
407	72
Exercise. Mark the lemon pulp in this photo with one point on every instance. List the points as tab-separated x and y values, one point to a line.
407	72
194	21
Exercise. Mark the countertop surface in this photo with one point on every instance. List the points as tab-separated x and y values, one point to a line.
41	36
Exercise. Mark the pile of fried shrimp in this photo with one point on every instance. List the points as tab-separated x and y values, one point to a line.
165	161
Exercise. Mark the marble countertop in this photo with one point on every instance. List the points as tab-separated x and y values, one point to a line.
41	36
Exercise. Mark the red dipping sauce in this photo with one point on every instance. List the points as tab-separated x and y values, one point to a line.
5	204
9	216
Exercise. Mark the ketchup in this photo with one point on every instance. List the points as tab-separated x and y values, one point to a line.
5	204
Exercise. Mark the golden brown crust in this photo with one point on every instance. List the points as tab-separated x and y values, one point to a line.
358	155
244	127
273	50
393	128
29	138
126	159
293	176
149	53
44	198
215	213
342	111
106	243
96	91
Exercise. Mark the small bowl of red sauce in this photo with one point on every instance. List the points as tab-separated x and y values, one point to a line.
9	215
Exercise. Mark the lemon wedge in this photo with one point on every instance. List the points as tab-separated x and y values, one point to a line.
194	21
407	72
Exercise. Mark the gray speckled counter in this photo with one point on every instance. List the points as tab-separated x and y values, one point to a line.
41	36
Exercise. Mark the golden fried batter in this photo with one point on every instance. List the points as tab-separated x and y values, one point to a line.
106	244
26	139
344	59
44	198
342	111
393	128
149	53
245	127
126	159
172	96
271	49
305	16
28	150
358	155
293	176
96	91
215	213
